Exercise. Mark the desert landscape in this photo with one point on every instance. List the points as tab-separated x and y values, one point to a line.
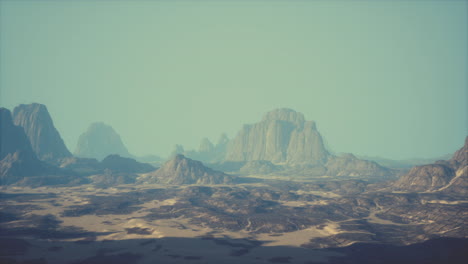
212	132
279	210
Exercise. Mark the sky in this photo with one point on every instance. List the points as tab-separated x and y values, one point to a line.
380	78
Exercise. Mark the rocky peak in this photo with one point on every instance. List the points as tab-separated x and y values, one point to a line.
99	141
12	138
39	128
461	156
182	170
442	176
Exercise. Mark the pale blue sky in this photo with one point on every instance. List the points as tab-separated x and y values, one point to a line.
383	78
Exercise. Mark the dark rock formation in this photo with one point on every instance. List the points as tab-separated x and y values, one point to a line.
39	128
116	163
82	166
17	159
349	165
442	176
182	170
99	141
283	136
12	138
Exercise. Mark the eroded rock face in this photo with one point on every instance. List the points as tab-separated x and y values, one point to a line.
17	159
182	170
99	141
426	178
349	165
283	136
12	138
39	128
443	176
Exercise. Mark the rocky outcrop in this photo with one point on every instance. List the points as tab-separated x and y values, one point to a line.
348	165
283	136
443	176
429	177
115	163
112	164
99	141
182	170
39	128
17	159
207	151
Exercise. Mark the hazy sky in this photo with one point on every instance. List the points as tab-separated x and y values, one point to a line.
385	78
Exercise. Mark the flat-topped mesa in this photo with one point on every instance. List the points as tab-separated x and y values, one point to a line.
285	114
283	136
39	128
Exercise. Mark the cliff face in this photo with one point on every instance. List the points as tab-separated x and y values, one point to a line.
443	176
17	159
283	136
182	170
99	141
39	128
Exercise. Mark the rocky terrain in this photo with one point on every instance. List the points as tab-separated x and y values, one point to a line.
443	176
182	170
44	138
283	136
278	207
349	165
99	141
18	162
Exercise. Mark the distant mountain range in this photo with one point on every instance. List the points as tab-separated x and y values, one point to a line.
282	143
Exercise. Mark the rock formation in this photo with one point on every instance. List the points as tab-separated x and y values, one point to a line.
283	136
182	170
348	165
207	151
99	141
115	163
17	159
442	176
39	128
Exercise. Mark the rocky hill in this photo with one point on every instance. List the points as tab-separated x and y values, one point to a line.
17	158
443	176
116	163
182	170
99	141
348	165
39	128
283	136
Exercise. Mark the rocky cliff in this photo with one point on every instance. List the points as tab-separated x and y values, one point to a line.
17	158
39	128
283	136
348	165
99	141
443	176
182	170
